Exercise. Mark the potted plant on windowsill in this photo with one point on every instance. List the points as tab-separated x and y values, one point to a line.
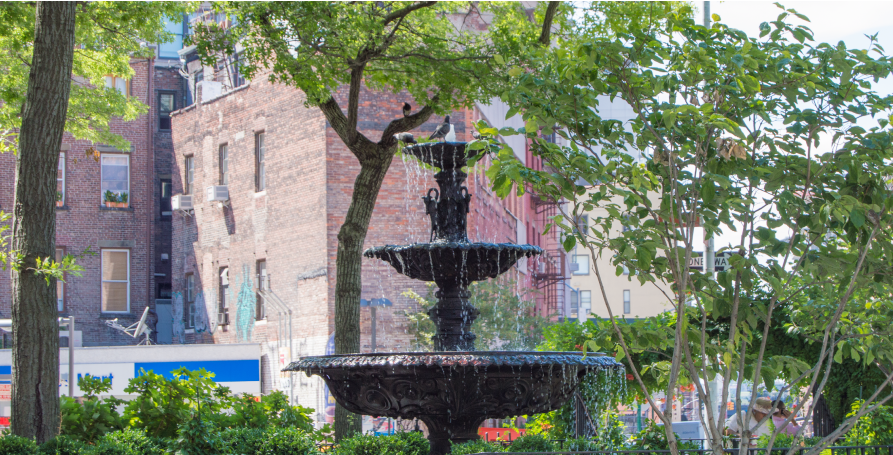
113	200
58	199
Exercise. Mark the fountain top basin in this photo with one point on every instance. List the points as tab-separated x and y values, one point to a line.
452	261
443	155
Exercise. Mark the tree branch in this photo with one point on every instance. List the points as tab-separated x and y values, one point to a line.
407	123
547	23
401	13
360	144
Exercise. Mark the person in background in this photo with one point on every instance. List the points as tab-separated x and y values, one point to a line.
762	408
780	416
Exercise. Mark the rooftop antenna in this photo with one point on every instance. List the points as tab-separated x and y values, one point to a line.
134	330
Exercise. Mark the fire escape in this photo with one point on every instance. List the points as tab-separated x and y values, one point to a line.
550	270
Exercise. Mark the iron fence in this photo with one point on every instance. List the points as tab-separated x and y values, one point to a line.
834	450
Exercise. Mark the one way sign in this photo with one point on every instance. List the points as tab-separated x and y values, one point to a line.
720	261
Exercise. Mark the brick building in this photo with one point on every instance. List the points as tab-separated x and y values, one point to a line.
129	241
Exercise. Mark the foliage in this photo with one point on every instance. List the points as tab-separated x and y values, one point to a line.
507	320
269	410
777	138
63	445
875	428
11	444
478	446
653	437
408	443
108	35
88	418
130	442
532	443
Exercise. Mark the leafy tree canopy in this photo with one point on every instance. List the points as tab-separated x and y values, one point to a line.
108	35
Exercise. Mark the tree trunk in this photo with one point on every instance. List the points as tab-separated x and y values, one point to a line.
348	285
35	354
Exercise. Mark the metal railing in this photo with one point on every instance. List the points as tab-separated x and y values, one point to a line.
835	450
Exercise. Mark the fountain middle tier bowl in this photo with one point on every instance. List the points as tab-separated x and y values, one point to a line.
455	261
453	388
442	155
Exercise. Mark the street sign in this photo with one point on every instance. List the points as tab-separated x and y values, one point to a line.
720	261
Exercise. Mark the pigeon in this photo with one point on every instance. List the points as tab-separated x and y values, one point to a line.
405	138
443	129
407	109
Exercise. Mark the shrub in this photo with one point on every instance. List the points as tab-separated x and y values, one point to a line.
476	447
293	441
875	428
271	410
90	418
16	445
242	440
63	445
409	443
532	443
129	442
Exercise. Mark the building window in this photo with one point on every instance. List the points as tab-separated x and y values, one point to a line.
224	289
115	281
167	103
586	301
189	178
60	285
626	302
118	83
262	283
177	29
60	181
582	261
625	270
260	182
223	161
582	224
189	306
575	303
115	178
165	203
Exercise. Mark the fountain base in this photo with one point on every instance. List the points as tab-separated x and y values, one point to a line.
453	392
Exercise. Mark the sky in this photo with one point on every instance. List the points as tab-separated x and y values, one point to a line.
830	21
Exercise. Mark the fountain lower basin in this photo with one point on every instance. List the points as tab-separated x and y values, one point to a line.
453	392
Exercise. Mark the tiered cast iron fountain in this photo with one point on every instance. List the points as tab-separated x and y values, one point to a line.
454	389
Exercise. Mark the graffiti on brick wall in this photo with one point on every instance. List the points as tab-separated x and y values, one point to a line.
211	309
245	307
200	318
177	325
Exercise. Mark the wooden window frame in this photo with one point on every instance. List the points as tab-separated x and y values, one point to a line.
101	280
164	114
260	309
61	168
189	177
260	158
189	302
223	164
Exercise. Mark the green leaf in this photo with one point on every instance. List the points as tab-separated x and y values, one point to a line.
515	71
499	59
669	119
569	243
857	217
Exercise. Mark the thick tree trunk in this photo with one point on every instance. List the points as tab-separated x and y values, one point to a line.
35	354
349	286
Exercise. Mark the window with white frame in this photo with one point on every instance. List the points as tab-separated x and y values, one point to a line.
585	301
223	164
60	180
626	302
115	176
260	174
189	178
582	261
115	281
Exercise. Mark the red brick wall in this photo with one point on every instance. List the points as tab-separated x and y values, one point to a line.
84	224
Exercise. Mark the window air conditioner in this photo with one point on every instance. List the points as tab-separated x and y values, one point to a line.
223	318
182	202
218	193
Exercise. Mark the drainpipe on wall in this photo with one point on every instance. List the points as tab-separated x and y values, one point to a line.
150	171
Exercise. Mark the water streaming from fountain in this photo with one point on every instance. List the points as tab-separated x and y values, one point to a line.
456	388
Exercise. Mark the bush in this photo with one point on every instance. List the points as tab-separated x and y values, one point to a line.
532	443
409	443
875	428
90	418
242	440
16	445
476	447
129	442
63	445
293	441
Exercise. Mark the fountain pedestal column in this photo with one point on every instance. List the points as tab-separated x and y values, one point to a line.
453	316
